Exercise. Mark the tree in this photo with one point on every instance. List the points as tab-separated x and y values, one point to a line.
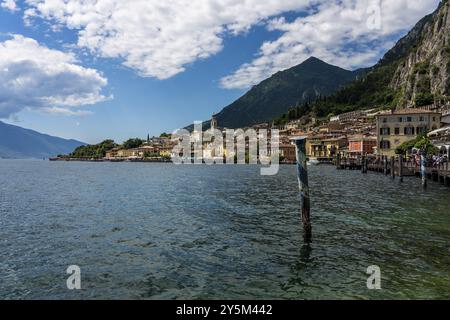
424	99
93	151
165	135
132	143
422	142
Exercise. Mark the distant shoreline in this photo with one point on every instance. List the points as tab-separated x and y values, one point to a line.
109	160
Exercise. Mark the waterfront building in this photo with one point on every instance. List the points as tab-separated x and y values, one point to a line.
128	153
112	154
396	127
325	146
359	145
287	152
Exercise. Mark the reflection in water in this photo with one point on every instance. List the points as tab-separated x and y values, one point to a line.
305	253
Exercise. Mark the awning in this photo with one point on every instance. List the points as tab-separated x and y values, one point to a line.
438	131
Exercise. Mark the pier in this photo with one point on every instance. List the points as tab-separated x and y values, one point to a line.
349	164
398	167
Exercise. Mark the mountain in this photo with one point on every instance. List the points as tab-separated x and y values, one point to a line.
415	72
422	77
20	143
305	82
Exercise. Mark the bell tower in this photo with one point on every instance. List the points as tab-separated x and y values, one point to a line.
214	122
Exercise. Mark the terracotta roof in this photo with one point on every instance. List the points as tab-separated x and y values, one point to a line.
408	111
364	138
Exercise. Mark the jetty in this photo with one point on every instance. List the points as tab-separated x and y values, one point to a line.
397	167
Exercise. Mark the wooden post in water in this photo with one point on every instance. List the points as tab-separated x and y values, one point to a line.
393	167
385	165
338	161
363	161
400	167
423	169
302	173
366	164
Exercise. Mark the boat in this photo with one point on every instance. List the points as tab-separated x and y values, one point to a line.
313	162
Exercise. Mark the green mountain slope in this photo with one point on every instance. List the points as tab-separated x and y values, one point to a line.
305	82
412	74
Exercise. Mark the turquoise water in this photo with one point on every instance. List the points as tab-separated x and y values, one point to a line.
160	231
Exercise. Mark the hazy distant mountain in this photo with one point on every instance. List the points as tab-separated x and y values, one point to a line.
20	143
305	82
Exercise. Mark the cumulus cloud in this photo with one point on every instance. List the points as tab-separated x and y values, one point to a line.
157	38
162	38
347	33
9	5
35	77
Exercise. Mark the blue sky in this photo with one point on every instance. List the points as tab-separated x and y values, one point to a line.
113	71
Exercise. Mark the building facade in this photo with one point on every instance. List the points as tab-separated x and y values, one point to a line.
395	128
325	147
360	145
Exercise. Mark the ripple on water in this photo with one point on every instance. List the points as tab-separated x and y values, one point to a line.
163	231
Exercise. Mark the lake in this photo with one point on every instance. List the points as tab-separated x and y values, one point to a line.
160	231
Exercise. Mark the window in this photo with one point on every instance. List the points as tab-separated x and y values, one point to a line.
385	145
434	118
421	118
409	119
400	119
397	131
385	131
384	120
420	130
409	131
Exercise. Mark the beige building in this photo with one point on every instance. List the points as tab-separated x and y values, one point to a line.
325	146
395	128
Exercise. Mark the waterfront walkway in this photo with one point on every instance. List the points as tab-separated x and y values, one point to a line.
396	167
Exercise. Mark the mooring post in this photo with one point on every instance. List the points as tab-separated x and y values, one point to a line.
400	167
363	160
385	163
423	170
393	167
302	173
366	164
338	161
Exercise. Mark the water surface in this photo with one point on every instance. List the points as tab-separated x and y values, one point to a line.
160	231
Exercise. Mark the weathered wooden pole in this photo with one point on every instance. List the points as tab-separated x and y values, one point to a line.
363	161
366	164
400	167
302	173
393	167
338	161
385	165
423	170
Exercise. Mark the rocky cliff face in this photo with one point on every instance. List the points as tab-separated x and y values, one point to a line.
423	75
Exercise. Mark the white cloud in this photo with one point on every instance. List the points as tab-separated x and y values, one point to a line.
9	5
35	77
162	38
157	38
347	33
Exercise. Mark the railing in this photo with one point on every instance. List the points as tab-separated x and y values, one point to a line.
436	170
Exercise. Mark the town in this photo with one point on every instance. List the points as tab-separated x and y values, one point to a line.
350	135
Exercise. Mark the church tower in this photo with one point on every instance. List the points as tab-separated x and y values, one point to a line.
214	122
